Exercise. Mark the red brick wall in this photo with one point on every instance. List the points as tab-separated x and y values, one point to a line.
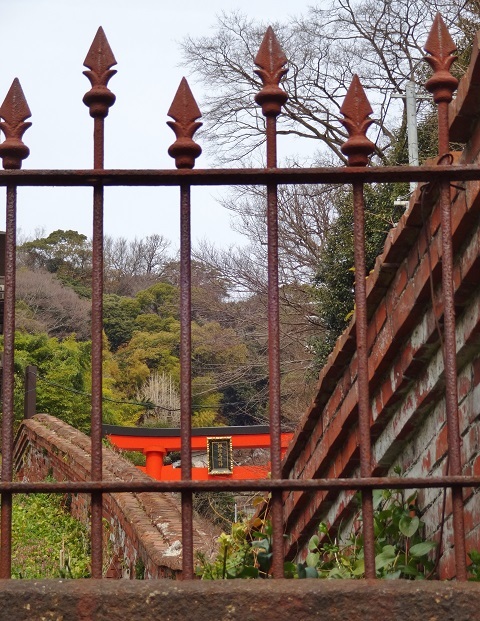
405	369
143	530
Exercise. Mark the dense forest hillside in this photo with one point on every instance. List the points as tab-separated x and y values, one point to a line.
142	332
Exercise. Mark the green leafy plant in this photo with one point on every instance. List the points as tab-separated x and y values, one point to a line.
235	557
474	567
401	550
47	542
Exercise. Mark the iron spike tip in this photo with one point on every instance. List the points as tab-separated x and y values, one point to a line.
14	109
100	57
356	105
270	55
184	108
440	49
99	61
271	61
439	42
356	109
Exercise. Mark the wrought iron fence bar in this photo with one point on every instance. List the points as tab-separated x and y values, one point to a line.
356	110
14	111
184	111
274	400
244	176
454	463
8	381
186	379
99	99
267	485
364	415
440	49
271	62
97	374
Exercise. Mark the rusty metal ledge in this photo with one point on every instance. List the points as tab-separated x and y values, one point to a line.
243	176
111	600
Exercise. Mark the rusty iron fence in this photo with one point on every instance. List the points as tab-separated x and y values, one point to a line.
184	111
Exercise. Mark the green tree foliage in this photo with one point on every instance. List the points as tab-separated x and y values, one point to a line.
67	254
119	314
145	335
145	352
64	380
161	299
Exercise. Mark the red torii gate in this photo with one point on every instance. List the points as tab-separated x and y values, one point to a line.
217	442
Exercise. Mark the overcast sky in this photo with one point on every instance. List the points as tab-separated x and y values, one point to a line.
44	44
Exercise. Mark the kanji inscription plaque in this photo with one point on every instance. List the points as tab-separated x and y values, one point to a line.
220	459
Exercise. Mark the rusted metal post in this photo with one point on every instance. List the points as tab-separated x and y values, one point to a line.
356	110
442	84
14	111
185	112
99	99
271	61
30	401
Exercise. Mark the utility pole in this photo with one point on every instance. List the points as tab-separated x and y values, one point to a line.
412	134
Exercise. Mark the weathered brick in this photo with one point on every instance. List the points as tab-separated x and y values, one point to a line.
54	448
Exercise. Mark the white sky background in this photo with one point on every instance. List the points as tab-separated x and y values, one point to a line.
44	44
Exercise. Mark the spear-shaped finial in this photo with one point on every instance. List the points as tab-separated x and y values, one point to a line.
440	46
185	112
14	111
271	60
356	109
99	61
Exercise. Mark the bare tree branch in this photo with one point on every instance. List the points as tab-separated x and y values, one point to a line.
381	41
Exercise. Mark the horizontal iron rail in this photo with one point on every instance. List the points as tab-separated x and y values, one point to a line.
244	176
267	485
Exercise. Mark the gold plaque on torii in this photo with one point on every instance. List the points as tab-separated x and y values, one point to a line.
220	455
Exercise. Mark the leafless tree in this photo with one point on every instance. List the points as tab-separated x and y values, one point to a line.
380	40
305	213
45	304
160	392
132	265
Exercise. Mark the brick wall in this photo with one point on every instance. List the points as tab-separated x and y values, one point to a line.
143	530
405	363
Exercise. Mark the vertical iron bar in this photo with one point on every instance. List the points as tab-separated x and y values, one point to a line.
99	99
356	109
362	375
8	382
450	355
184	150
440	49
274	352
97	321
185	379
